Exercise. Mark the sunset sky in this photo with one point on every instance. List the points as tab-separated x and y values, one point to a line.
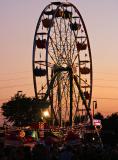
18	20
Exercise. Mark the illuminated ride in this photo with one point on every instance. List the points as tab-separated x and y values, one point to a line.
62	64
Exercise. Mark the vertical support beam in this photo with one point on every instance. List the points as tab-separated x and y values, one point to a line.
51	100
52	114
50	87
71	96
59	98
84	100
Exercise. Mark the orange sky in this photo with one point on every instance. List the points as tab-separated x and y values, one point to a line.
18	22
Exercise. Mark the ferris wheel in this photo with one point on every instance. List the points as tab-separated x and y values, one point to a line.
62	63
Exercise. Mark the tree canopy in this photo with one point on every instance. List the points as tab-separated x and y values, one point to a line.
98	115
21	110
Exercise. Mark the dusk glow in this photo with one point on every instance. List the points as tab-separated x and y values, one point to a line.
17	28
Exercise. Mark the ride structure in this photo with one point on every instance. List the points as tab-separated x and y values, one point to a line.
62	64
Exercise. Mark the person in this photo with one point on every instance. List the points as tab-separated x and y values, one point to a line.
67	153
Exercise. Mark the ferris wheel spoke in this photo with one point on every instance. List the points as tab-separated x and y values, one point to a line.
71	44
66	33
75	58
56	37
76	98
54	52
66	96
52	58
73	51
68	41
58	51
56	108
60	37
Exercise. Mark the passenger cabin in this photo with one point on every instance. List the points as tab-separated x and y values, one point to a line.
39	72
51	12
87	95
47	23
58	13
75	26
41	43
84	70
81	46
67	14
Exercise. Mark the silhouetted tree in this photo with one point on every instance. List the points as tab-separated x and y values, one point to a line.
111	122
21	110
98	115
110	129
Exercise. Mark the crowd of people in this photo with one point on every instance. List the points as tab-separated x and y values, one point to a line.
52	147
58	152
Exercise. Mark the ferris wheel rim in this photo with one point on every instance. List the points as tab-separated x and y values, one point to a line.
48	37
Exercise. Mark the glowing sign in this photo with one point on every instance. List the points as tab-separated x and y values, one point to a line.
97	122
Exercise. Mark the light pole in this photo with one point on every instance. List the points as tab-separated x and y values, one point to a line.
94	107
